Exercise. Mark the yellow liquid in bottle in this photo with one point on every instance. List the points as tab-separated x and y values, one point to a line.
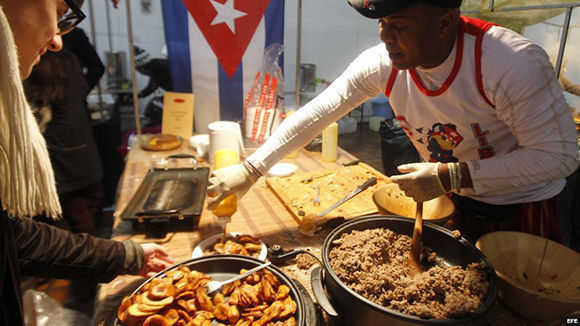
229	205
330	143
226	207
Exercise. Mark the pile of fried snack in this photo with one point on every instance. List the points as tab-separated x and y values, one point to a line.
241	245
181	299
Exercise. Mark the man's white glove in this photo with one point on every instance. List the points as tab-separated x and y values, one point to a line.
421	181
227	181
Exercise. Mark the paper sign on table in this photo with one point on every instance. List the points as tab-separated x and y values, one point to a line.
178	114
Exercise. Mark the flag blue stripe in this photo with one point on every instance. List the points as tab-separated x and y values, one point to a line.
231	94
275	26
175	16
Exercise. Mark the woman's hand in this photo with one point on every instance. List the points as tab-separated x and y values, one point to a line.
156	259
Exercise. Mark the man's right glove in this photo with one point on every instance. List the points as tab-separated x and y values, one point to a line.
233	179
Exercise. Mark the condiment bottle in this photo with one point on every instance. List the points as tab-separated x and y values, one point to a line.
229	205
330	142
295	153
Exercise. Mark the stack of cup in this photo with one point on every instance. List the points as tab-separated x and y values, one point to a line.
225	135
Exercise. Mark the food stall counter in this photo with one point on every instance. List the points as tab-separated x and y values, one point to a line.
260	213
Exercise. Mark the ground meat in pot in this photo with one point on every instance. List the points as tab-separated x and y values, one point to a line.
373	263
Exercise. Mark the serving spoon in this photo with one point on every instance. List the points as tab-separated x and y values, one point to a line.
414	260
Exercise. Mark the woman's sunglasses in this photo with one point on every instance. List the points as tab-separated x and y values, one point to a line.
71	18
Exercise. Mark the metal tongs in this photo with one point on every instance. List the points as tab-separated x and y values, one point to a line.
213	286
328	173
370	182
314	177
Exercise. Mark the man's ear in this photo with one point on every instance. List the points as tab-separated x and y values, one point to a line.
448	21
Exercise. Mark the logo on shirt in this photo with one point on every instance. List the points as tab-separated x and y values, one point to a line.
485	150
441	140
368	6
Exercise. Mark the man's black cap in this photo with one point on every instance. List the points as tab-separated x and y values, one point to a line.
383	8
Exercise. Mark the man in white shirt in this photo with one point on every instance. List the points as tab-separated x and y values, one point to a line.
481	104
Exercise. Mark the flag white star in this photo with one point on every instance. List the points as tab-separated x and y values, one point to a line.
226	13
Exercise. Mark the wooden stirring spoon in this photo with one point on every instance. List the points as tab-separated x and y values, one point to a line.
414	260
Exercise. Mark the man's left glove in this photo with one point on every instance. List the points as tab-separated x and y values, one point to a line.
421	181
233	179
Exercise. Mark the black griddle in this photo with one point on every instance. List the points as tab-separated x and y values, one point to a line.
168	196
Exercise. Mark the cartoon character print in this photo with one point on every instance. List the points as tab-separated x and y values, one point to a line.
441	140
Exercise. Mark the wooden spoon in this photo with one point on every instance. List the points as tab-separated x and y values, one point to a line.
538	284
415	253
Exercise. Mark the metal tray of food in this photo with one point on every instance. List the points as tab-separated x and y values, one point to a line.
168	193
223	267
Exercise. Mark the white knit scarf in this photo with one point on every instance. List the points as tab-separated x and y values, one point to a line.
27	186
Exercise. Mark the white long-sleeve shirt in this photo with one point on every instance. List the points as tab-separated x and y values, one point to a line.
537	148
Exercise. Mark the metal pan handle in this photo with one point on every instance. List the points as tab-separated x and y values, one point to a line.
319	293
157	213
181	155
278	255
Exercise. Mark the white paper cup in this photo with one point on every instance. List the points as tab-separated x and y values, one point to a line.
225	135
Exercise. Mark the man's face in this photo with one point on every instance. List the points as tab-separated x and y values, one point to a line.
34	26
411	36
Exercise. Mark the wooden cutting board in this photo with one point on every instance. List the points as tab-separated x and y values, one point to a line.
297	193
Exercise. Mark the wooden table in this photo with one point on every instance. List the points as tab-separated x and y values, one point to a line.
259	213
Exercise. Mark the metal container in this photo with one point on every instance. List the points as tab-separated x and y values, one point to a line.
223	267
307	77
353	309
116	69
168	197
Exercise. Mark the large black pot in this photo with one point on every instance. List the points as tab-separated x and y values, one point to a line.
223	267
354	309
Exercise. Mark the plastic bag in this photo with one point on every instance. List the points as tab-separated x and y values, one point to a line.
42	310
263	107
396	147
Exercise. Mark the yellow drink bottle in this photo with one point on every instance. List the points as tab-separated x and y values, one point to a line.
330	143
229	205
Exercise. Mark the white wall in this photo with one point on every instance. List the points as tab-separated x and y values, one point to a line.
147	32
548	34
333	34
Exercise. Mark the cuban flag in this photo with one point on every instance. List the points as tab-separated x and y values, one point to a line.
215	50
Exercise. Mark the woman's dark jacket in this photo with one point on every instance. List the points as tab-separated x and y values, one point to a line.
38	249
69	136
77	42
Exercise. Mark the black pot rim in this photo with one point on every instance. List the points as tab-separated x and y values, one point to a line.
284	279
482	310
